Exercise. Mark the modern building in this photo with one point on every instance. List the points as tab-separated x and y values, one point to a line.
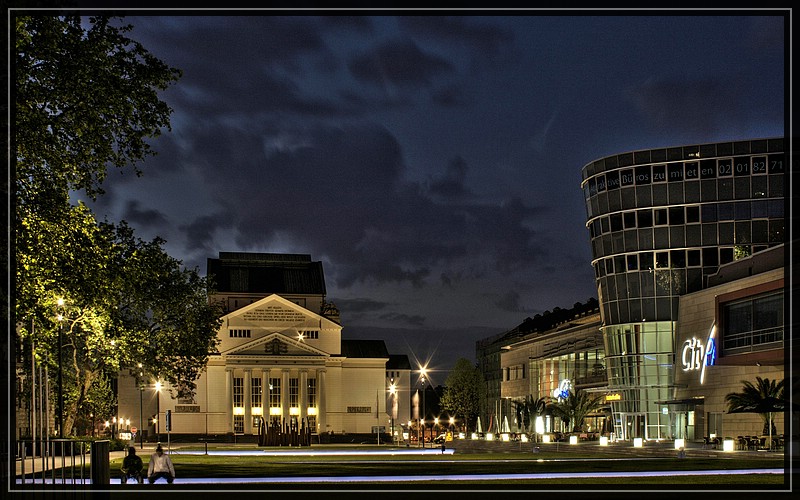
281	360
661	223
547	364
730	332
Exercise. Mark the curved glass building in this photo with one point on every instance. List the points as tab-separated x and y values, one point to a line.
660	222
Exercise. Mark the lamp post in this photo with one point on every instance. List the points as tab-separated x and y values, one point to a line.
393	394
158	411
423	371
140	383
60	303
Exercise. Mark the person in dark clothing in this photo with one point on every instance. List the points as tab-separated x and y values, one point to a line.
132	466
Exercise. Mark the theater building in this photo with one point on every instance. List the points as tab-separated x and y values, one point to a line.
281	359
662	222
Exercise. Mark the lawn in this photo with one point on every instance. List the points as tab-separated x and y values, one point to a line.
436	466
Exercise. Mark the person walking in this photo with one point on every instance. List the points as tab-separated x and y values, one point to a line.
132	466
160	466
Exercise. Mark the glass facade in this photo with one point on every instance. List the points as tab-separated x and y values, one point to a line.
660	221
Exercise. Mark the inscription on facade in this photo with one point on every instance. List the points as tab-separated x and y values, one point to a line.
359	409
275	314
187	409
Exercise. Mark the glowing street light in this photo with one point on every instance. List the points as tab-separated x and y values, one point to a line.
60	317
158	411
423	371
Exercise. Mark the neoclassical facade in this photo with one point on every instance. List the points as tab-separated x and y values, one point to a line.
281	359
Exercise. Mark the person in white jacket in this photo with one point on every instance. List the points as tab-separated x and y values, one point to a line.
160	466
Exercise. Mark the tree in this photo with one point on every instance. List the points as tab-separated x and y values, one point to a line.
527	410
574	408
764	394
464	390
86	100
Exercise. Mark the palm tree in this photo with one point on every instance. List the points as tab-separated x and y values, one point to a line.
575	407
527	410
762	395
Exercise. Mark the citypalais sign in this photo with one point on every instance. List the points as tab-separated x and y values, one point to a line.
697	354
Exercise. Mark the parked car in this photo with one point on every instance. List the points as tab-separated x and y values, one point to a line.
440	439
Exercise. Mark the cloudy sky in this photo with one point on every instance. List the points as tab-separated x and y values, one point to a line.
433	164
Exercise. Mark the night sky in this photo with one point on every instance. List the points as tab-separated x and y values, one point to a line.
433	164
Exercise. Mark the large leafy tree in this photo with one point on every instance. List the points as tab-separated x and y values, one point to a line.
463	392
574	408
760	397
86	100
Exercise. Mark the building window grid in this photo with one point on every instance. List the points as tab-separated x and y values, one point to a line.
238	392
294	392
239	333
275	393
312	393
310	334
255	392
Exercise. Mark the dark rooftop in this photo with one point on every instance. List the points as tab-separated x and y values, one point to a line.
364	349
266	273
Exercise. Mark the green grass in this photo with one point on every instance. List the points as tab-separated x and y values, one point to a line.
481	463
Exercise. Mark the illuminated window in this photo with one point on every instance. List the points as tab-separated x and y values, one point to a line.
753	323
255	392
238	424
294	392
238	392
239	333
312	393
275	393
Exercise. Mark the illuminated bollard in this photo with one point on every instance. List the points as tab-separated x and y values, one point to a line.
603	440
638	442
727	445
680	443
546	438
573	439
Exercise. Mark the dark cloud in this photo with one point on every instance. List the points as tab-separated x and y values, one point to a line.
485	37
399	63
698	106
199	234
433	163
148	218
400	319
360	305
510	301
451	184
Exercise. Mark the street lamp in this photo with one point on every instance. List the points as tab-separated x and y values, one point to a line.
60	303
158	411
393	394
140	383
423	371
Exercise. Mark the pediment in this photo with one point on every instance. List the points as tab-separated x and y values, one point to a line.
274	344
277	312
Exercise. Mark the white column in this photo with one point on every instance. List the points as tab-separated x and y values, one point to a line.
303	394
229	398
285	395
265	395
321	398
248	419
